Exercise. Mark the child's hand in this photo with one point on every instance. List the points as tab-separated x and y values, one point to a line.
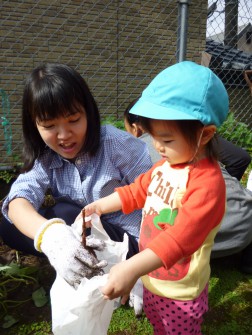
120	282
89	210
94	207
111	203
123	276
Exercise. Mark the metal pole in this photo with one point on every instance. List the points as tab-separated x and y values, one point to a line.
231	23
182	29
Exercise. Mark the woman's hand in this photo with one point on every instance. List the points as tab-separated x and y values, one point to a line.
67	254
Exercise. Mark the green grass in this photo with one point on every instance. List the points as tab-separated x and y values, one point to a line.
230	300
125	322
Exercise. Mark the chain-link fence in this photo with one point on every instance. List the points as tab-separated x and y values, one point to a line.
118	47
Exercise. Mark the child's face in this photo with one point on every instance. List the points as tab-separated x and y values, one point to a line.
170	143
64	135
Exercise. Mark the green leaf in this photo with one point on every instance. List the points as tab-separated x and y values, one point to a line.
13	269
4	268
39	297
9	321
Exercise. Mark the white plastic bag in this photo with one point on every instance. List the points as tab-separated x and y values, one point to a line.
84	311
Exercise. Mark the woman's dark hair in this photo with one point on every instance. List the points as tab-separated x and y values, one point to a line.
189	130
52	91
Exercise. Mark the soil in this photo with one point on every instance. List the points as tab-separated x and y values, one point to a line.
44	274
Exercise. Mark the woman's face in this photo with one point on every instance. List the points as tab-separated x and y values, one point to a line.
64	135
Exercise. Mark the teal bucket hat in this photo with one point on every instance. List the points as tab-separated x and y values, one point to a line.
184	91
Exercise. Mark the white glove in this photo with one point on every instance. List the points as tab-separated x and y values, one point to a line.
136	297
78	227
91	241
66	254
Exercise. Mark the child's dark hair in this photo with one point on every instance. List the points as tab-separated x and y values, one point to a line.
52	91
189	129
131	118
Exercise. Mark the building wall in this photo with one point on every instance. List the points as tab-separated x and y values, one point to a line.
245	44
118	47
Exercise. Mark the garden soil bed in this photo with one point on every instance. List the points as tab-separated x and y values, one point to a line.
44	274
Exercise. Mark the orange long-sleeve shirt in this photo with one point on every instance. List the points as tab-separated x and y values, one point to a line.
182	210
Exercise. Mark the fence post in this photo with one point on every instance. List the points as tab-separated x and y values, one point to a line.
182	29
231	23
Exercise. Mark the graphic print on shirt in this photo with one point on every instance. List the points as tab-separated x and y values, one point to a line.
159	214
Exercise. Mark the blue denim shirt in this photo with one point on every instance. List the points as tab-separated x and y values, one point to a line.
119	160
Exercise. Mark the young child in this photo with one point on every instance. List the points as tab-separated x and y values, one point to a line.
67	151
182	196
235	233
